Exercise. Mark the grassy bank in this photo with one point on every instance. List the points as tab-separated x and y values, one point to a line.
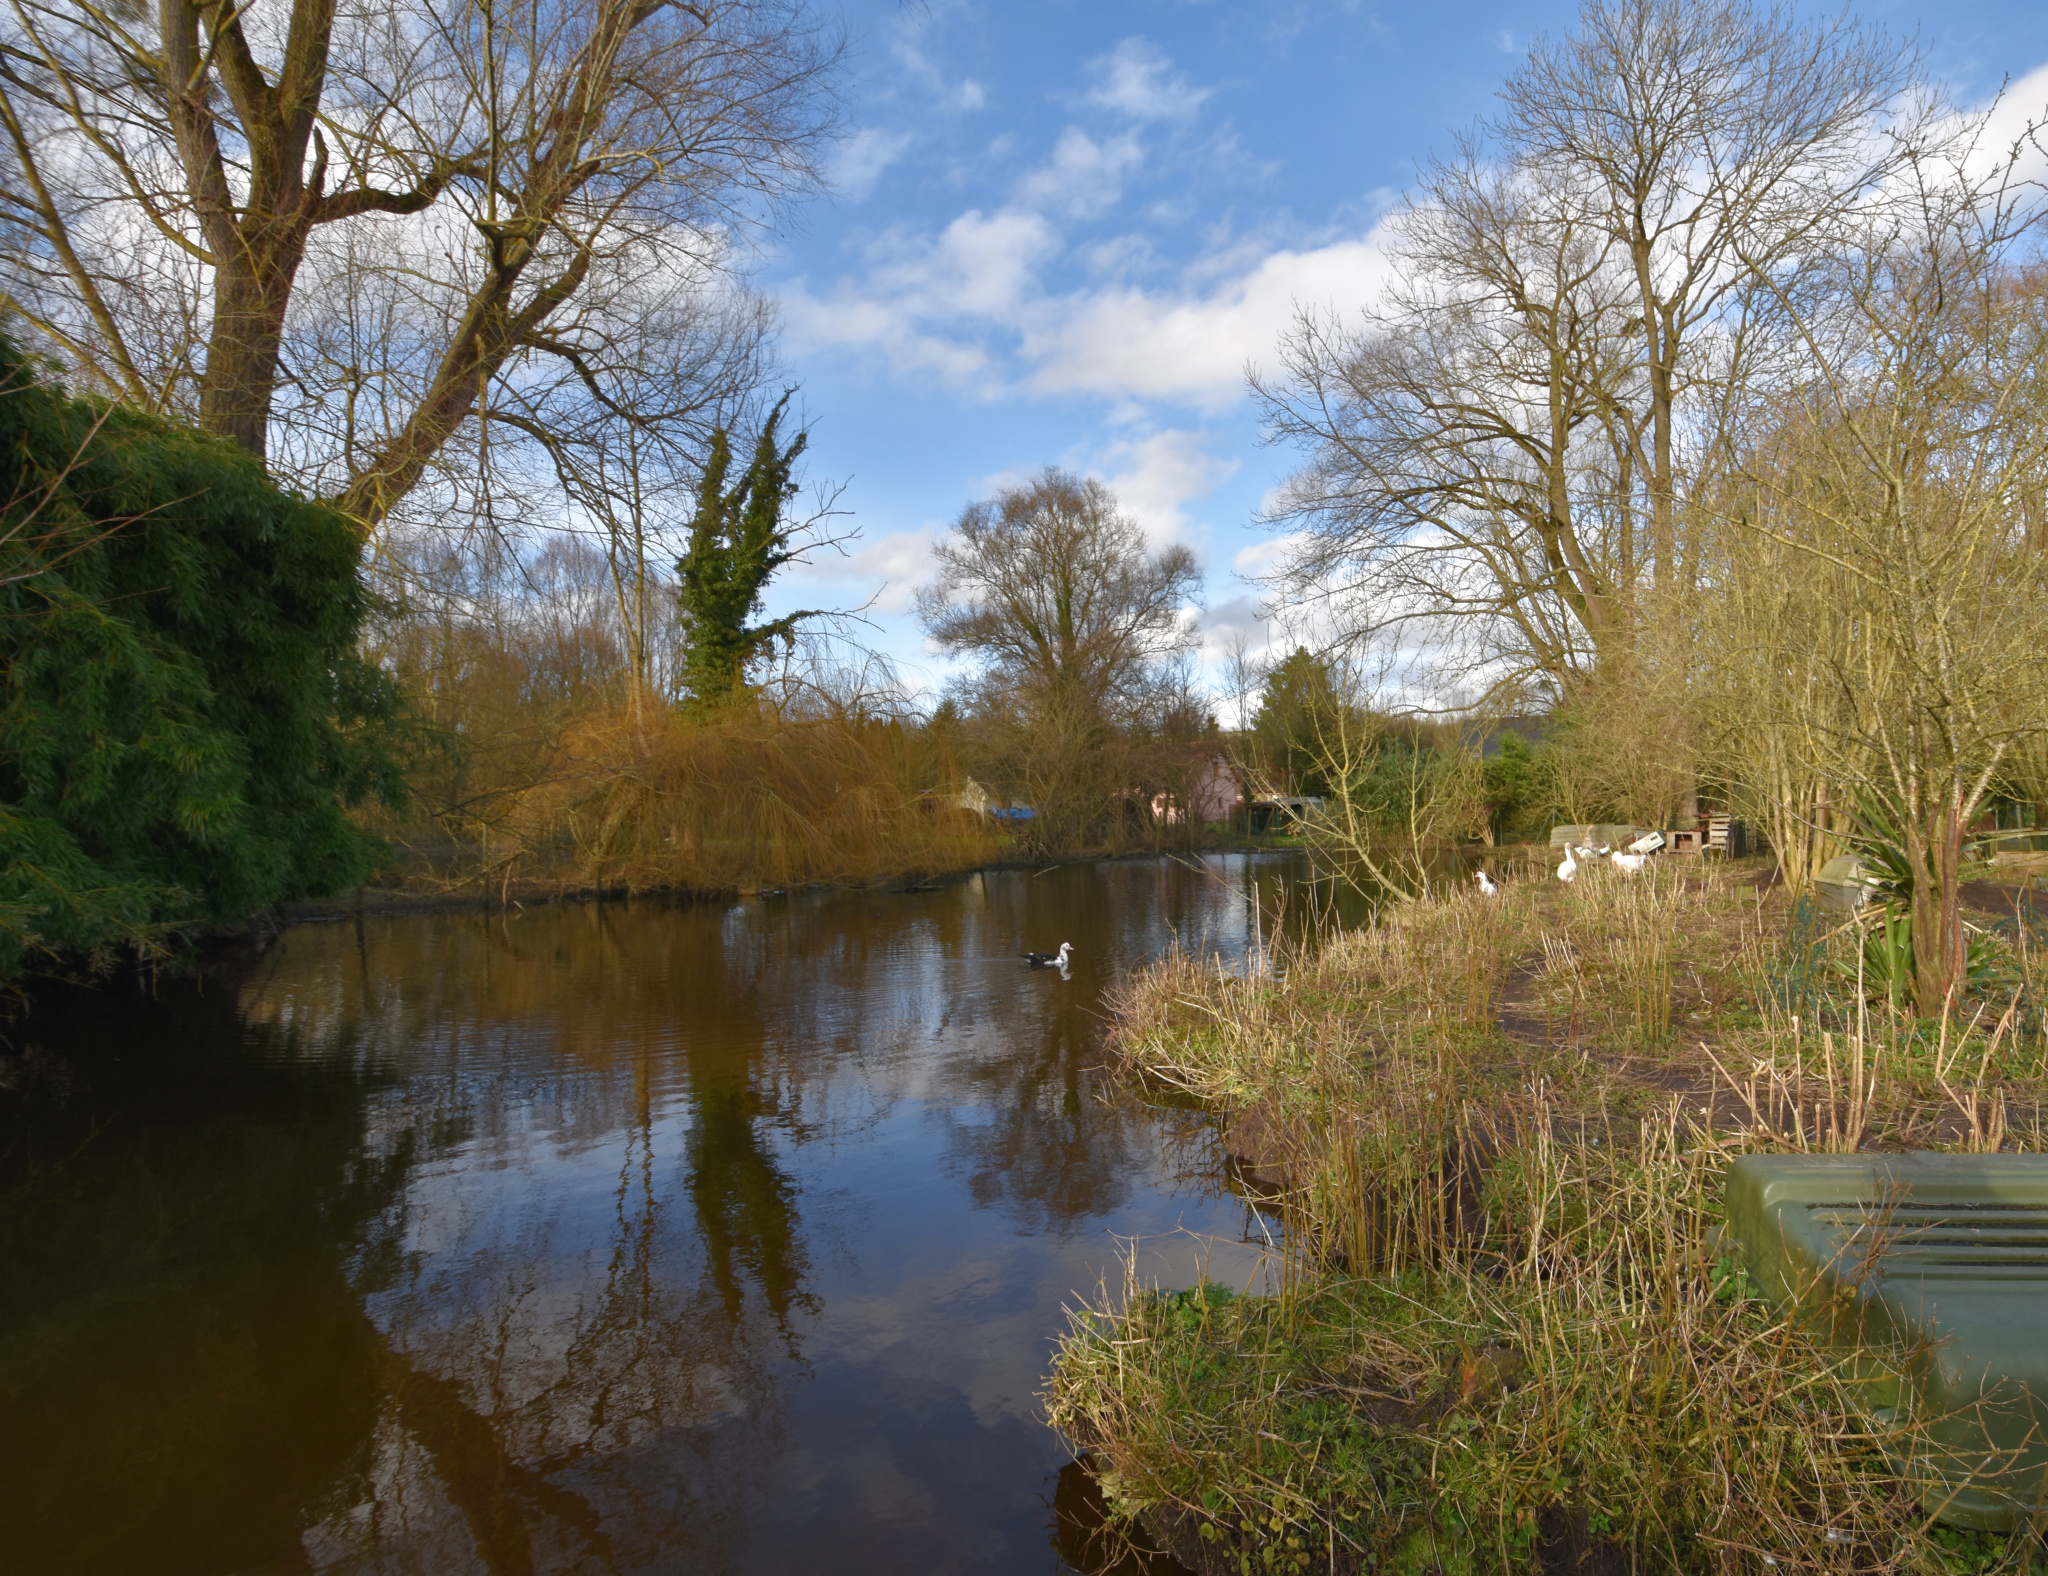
1507	1335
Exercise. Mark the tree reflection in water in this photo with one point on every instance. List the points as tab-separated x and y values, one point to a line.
511	1244
605	1270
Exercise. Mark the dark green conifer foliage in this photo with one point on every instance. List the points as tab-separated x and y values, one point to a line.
183	715
1297	718
739	538
1518	783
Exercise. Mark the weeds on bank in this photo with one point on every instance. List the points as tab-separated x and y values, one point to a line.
1507	1335
656	800
1580	1375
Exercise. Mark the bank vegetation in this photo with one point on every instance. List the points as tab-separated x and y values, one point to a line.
1693	457
1501	1329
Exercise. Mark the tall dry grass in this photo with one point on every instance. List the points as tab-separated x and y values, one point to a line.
648	798
1507	1334
551	752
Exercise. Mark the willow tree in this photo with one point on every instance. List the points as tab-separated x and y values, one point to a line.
328	232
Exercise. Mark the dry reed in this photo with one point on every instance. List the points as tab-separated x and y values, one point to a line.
648	799
1507	1335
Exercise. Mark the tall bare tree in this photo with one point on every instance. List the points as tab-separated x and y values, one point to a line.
1049	591
1501	448
1050	587
354	220
1467	468
1703	139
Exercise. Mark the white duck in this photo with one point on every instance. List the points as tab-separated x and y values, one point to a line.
1486	886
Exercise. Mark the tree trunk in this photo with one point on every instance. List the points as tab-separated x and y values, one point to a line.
1935	847
256	237
250	295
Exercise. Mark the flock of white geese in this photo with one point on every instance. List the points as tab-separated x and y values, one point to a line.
1630	860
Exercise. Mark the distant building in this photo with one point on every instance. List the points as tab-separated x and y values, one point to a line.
973	797
1281	813
1211	794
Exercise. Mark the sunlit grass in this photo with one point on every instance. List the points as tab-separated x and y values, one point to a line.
1507	1331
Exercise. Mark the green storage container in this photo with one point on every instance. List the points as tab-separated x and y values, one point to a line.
1946	1258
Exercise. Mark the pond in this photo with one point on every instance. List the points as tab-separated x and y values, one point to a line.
649	1236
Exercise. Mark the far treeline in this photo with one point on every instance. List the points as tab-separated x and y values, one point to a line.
1693	455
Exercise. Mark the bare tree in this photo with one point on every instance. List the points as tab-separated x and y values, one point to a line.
1500	450
1467	472
1049	590
628	466
1890	500
1049	587
1705	139
355	221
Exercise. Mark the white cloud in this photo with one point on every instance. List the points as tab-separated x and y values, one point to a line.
887	570
1136	80
846	319
863	157
2019	108
911	31
925	299
933	304
1083	177
1239	625
982	265
1155	478
1194	345
1119	255
1264	556
993	482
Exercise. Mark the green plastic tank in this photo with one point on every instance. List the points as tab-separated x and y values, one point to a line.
1941	1259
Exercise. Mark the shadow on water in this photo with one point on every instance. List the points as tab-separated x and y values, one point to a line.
1085	1539
186	1372
649	1237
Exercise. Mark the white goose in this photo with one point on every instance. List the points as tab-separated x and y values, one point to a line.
1486	886
1632	863
1569	870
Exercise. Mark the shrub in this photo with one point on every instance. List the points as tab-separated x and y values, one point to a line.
183	715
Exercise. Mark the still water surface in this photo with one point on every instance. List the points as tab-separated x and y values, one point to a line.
636	1237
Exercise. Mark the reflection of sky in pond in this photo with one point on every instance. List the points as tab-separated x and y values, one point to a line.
704	1237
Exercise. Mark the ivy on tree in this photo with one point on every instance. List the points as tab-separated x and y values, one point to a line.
741	535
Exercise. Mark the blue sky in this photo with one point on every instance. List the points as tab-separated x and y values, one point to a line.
1060	231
